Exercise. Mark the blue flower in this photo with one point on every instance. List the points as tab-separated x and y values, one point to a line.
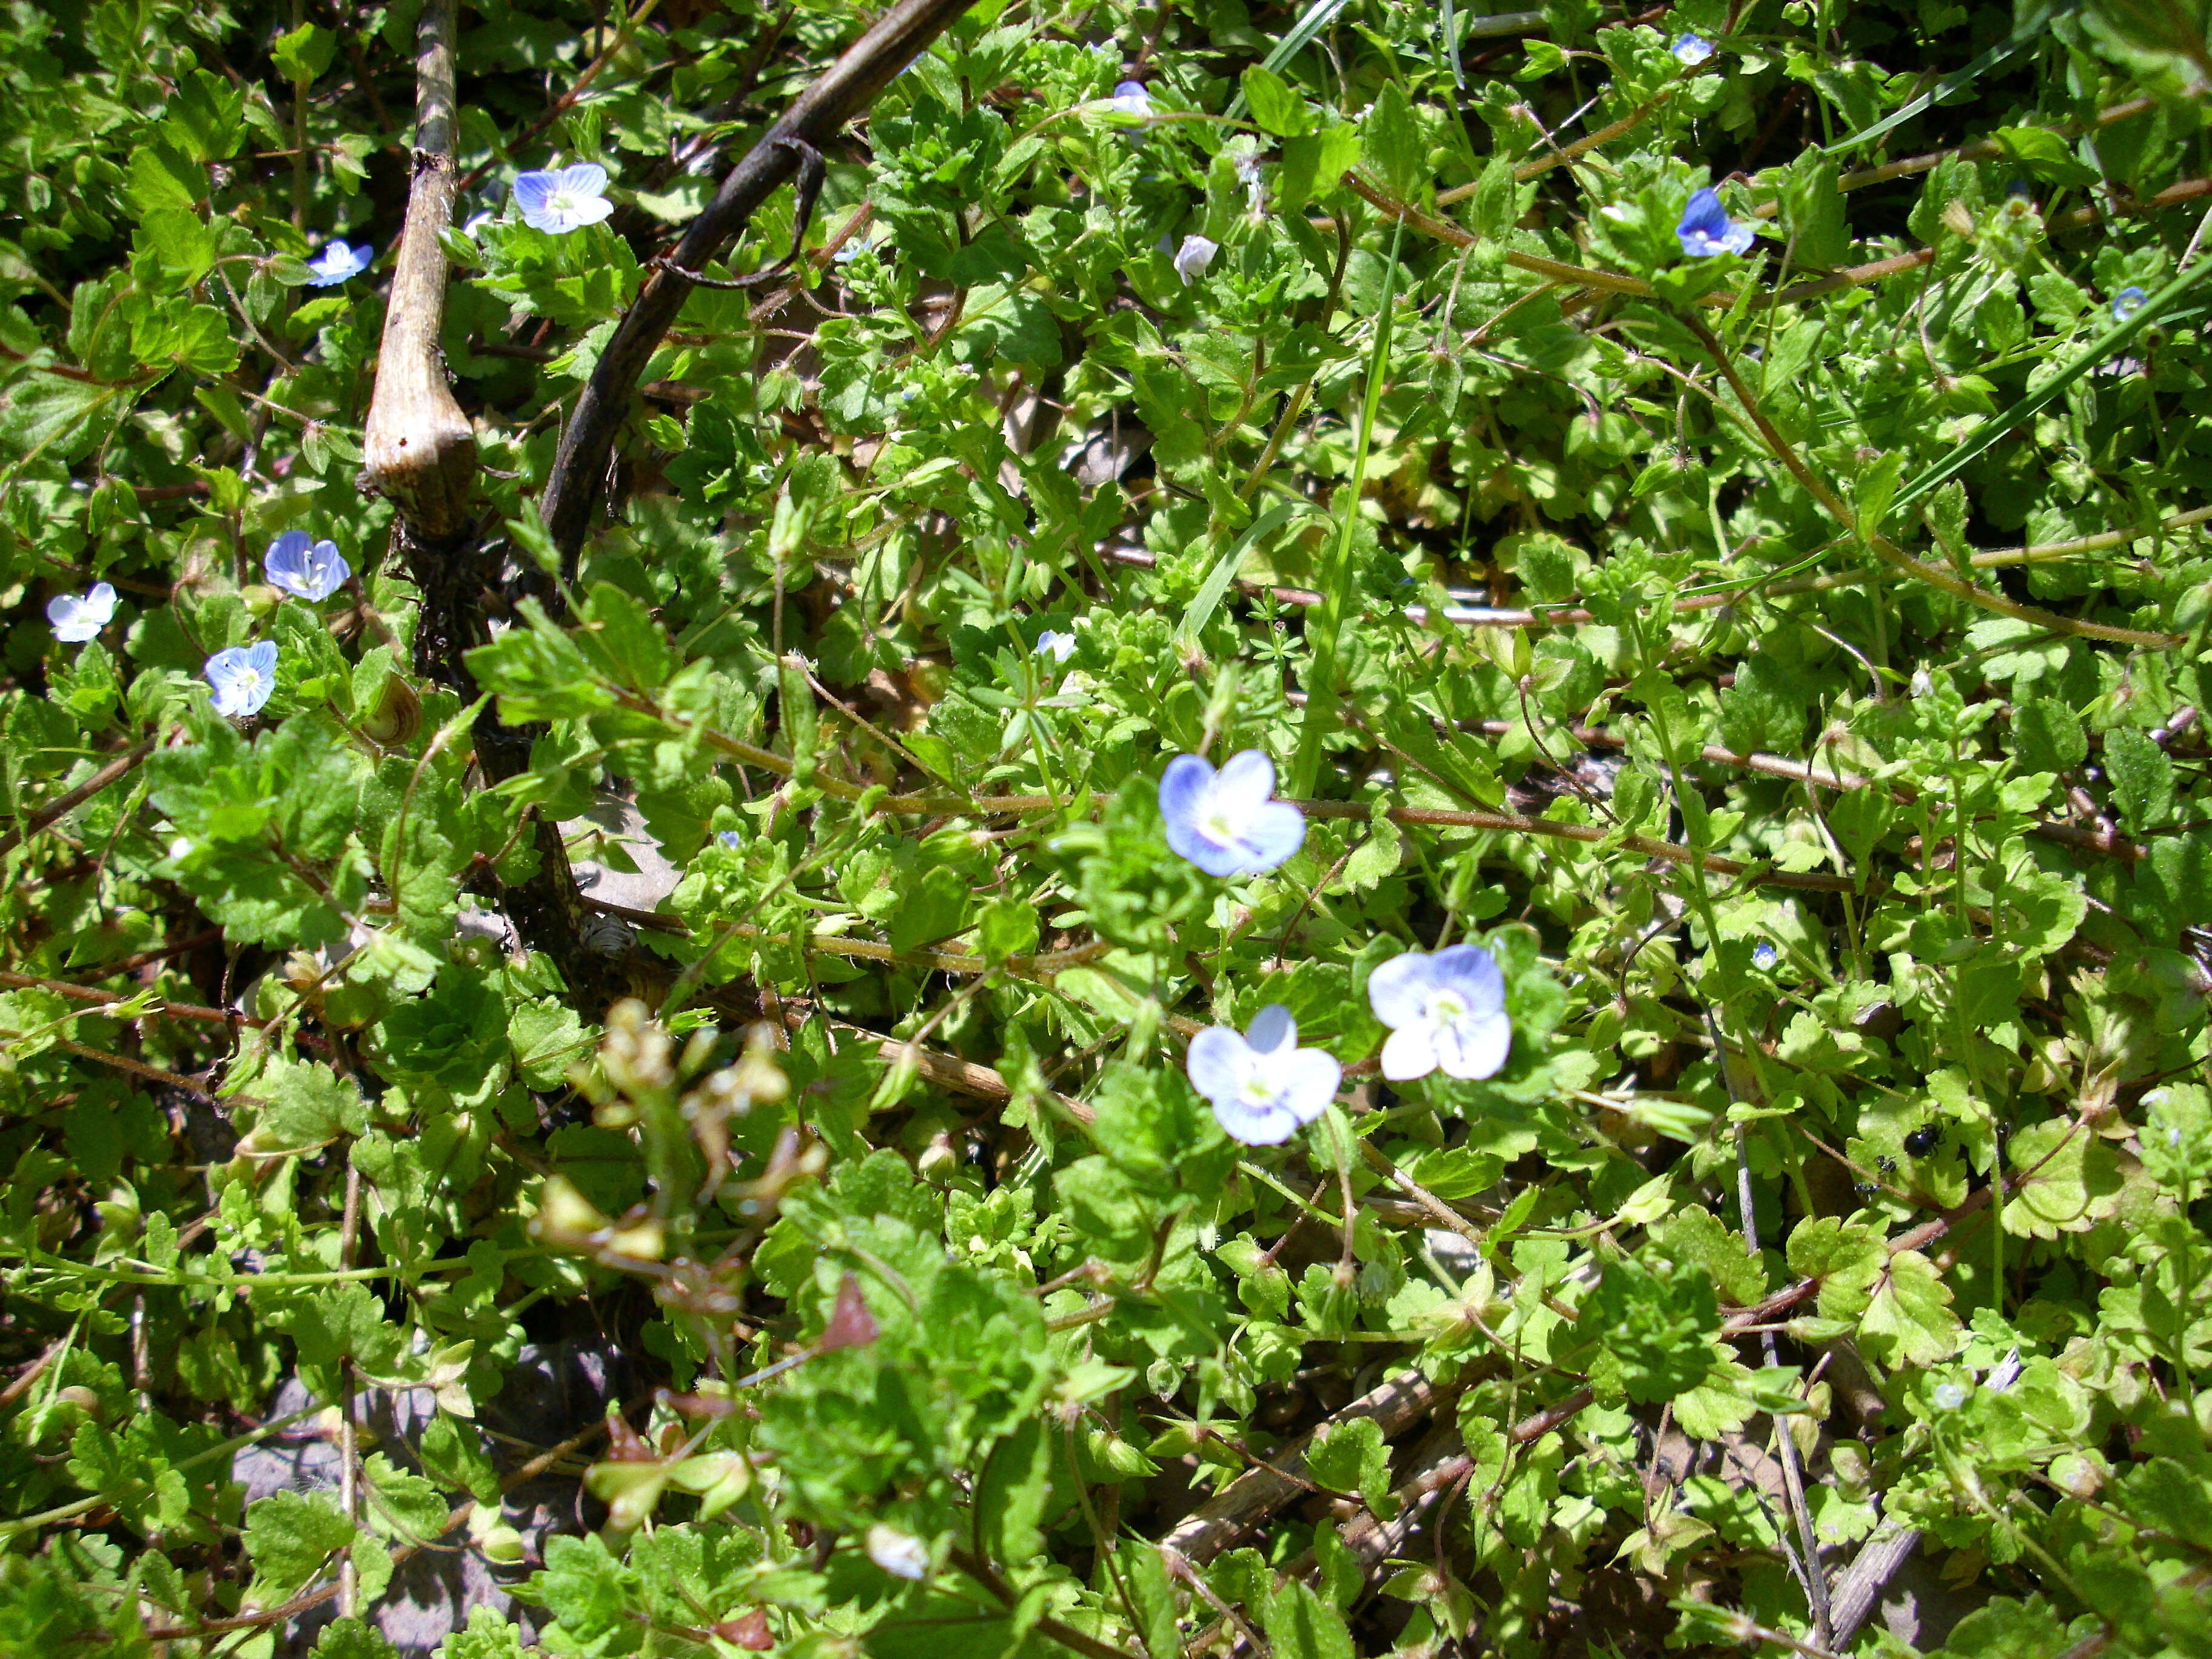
2128	301
78	617
1707	229
307	570
564	200
1130	97
1692	50
243	677
1059	646
338	262
1226	822
1947	1396
1263	1085
731	839
1446	1011
1764	955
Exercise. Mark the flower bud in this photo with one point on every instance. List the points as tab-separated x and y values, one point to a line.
566	1218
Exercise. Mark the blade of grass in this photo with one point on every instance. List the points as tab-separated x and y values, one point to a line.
1336	586
1311	22
1208	597
2098	350
2020	36
1993	427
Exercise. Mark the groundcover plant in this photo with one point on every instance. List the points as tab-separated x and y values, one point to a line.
1223	828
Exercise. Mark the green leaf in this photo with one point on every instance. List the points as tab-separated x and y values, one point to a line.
1006	927
450	1456
1846	1257
289	1535
2070	1180
2143	779
2045	155
1657	1326
1696	1237
490	1635
302	55
1276	106
1301	1625
1351	1457
1908	1320
350	1638
1012	1496
549	1037
44	414
184	246
304	1105
2048	736
207	117
162	179
1313	165
344	1321
402	1506
936	908
1812	212
1391	139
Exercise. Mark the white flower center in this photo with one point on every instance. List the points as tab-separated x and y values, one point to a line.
1447	1007
563	203
1257	1090
1217	825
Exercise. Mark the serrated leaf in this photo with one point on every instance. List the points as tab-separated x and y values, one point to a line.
1908	1320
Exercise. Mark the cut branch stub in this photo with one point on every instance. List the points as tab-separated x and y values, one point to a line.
419	450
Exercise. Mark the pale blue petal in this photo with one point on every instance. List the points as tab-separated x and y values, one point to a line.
1476	1048
286	562
530	190
1309	1082
1183	790
72	618
1246	782
584	179
1212	856
588	212
1255	1126
1219	1062
1271	1029
1474	973
1276	831
262	658
1410	1053
1398	990
323	572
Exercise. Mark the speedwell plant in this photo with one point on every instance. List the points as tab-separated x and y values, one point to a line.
1280	827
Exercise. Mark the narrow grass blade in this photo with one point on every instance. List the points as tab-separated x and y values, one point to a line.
2021	36
2098	350
1210	593
1336	588
1316	18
